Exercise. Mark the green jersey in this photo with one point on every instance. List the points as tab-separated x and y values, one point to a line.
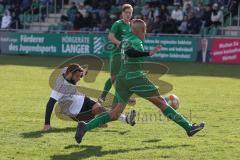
131	78
120	29
132	67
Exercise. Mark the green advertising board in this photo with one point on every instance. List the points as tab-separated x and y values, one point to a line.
174	48
45	44
53	44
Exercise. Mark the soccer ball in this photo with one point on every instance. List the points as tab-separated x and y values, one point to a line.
173	101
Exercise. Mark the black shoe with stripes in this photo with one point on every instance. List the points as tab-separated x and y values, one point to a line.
130	119
81	130
195	128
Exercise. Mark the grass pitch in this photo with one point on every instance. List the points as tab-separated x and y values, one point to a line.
210	91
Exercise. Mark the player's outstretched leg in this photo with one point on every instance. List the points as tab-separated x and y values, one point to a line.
83	127
101	119
172	114
125	118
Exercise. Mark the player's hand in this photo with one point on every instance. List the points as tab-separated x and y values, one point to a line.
155	50
85	72
46	127
118	44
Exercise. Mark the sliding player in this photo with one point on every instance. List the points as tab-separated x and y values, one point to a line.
132	79
82	107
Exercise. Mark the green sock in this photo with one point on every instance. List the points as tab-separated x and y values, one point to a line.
107	87
97	121
178	118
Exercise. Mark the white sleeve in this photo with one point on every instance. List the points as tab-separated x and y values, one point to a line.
56	95
180	18
212	18
173	15
9	22
220	16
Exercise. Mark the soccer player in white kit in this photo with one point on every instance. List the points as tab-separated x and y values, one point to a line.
74	104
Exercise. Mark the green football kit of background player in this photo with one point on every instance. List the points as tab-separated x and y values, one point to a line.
119	30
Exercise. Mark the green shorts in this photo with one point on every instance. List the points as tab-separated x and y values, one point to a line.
115	63
141	86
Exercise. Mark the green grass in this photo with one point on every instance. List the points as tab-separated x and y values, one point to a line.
210	91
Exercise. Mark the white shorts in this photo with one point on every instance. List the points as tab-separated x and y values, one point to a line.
77	101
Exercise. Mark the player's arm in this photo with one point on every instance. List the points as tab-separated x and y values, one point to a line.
48	113
53	97
113	39
111	36
133	53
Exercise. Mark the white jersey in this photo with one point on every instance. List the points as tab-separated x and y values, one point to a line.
67	96
64	87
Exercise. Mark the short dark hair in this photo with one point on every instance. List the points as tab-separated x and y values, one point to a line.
73	68
126	6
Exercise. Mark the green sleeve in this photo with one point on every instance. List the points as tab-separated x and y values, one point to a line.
115	28
137	45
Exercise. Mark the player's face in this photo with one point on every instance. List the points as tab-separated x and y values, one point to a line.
127	14
76	77
139	30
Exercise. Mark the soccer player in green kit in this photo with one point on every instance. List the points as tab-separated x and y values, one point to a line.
119	30
132	79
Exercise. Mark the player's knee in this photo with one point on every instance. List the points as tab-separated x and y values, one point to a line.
114	116
101	108
155	100
97	109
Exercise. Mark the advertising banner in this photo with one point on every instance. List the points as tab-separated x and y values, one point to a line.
174	48
225	50
45	44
